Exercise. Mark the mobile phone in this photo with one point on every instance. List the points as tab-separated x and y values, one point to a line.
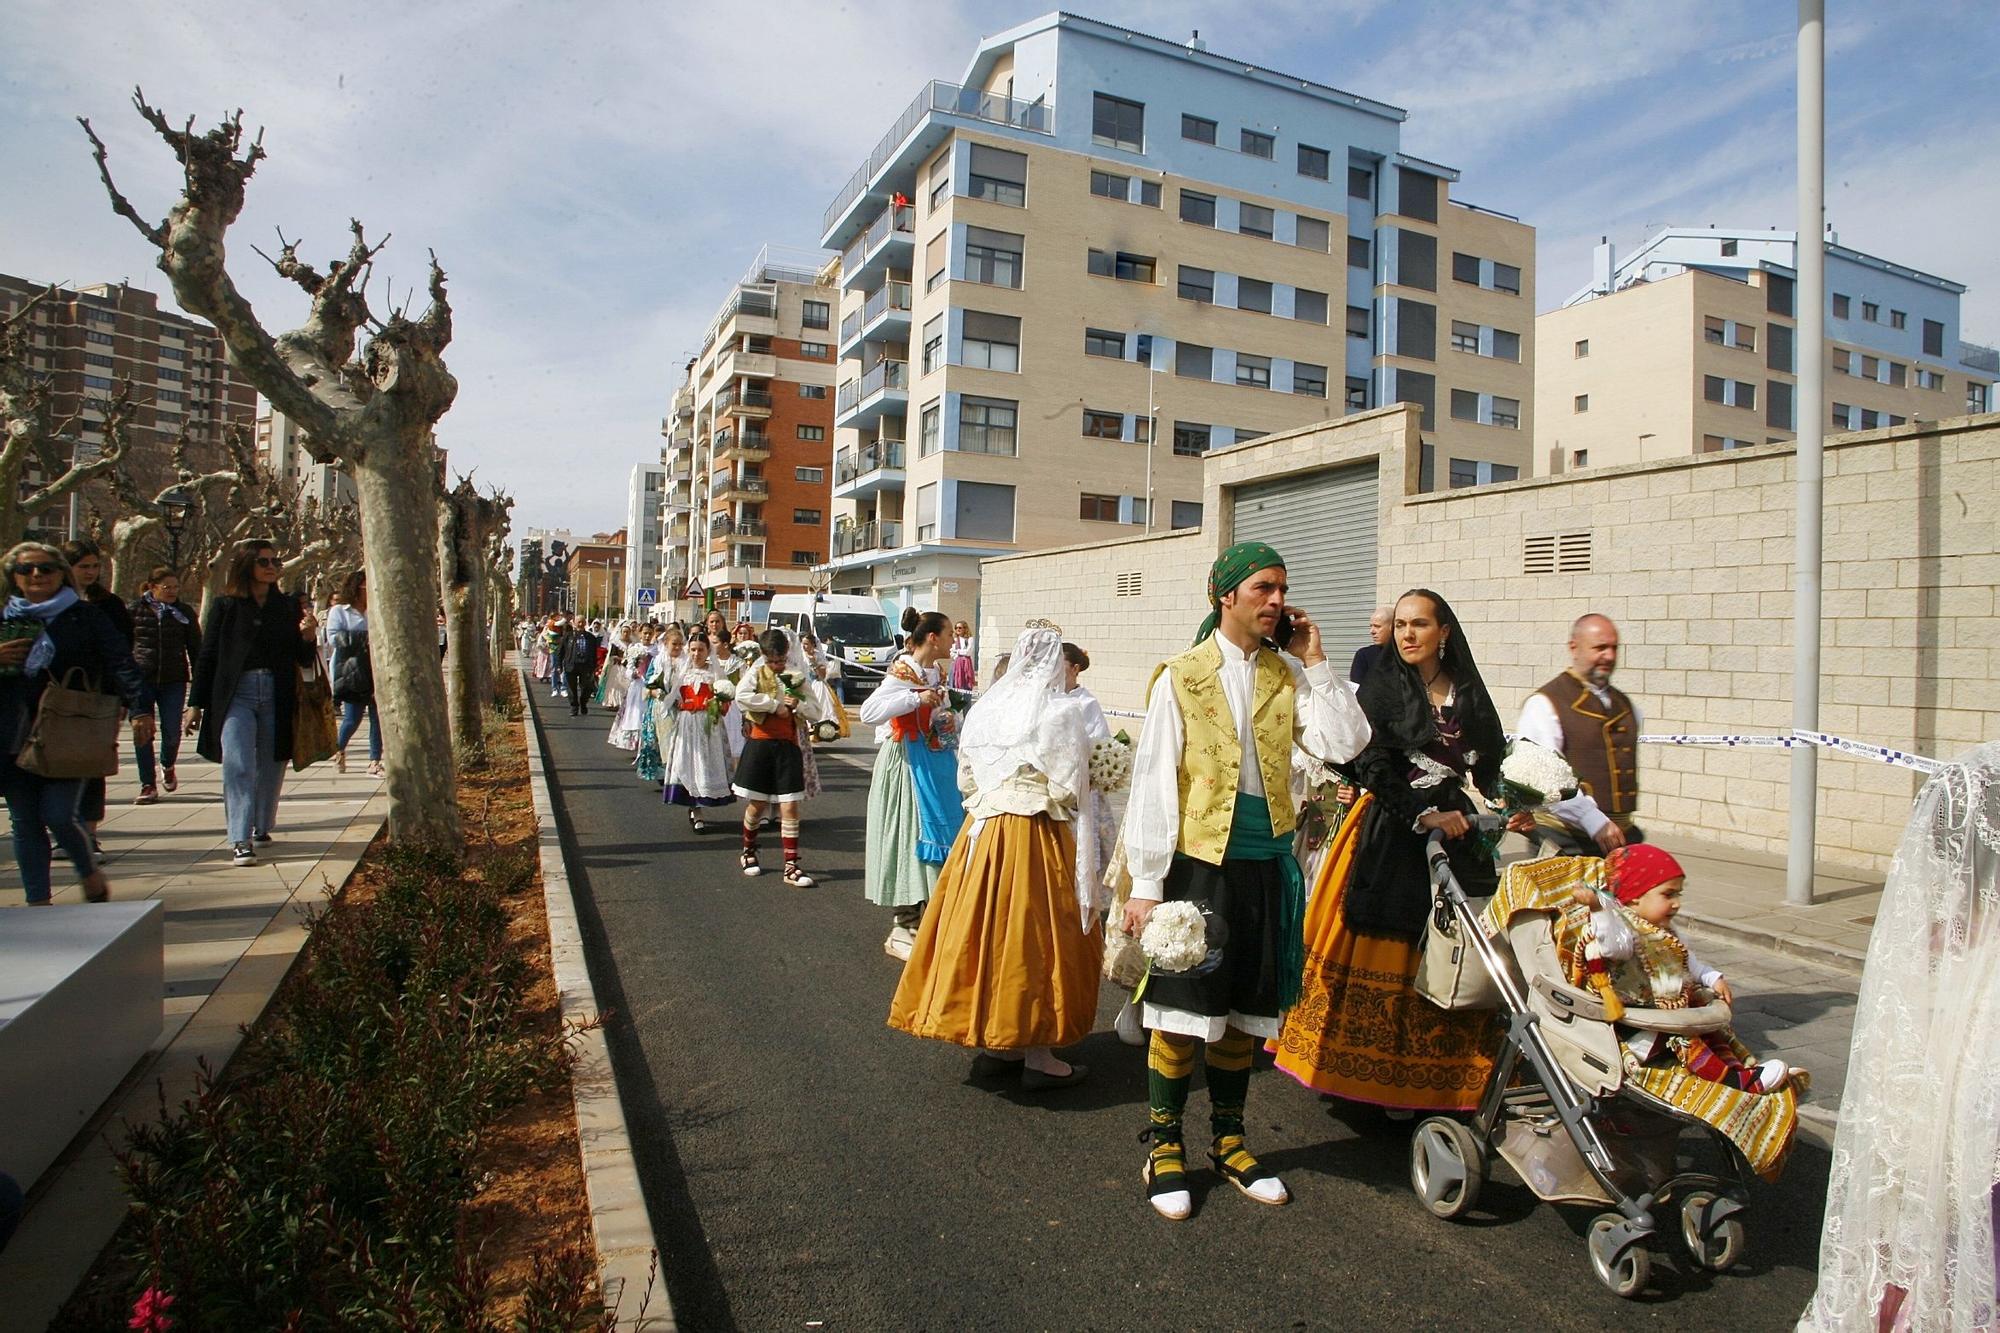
1282	635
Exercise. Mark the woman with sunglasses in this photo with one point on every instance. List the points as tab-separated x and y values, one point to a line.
46	631
245	690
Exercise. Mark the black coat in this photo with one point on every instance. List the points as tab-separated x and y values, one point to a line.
84	637
581	653
165	649
114	609
225	647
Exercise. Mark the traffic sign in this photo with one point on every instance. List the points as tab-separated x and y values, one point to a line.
648	596
693	588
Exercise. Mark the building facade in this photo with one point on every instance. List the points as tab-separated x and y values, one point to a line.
596	575
282	452
645	494
1100	256
89	340
1689	346
749	453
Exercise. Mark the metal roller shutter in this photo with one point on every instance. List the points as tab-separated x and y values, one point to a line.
1323	523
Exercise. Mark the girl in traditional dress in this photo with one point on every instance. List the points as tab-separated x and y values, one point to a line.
617	672
1008	958
656	717
772	695
914	808
963	674
698	760
638	666
1360	1030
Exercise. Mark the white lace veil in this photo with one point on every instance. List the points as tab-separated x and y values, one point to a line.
1911	1201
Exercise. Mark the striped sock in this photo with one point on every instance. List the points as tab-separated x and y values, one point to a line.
1169	1069
790	842
1228	1060
750	836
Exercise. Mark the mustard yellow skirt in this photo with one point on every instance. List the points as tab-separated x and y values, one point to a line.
1360	1030
1002	960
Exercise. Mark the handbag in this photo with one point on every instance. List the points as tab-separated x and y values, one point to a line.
75	731
1450	972
313	731
354	681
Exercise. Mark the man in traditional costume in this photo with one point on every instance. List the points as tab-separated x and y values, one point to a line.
1591	723
1210	821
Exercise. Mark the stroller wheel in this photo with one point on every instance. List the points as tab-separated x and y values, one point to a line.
1712	1231
1618	1256
1447	1166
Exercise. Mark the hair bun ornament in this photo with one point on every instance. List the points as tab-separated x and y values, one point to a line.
1039	623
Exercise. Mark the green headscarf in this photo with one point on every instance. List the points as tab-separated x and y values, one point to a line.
1233	566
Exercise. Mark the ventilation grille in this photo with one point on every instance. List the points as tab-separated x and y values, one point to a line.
1556	553
1129	584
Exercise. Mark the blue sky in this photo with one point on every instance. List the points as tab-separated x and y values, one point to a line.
594	176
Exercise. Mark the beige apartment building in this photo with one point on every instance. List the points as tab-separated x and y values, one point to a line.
282	451
1689	347
747	509
1103	256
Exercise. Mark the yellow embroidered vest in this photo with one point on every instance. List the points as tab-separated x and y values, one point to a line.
1211	755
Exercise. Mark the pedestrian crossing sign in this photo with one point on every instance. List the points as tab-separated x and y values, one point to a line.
648	596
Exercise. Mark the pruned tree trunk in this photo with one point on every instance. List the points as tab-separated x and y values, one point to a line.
368	405
467	524
502	620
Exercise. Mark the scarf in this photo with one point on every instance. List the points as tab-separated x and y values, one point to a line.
171	608
44	651
1233	566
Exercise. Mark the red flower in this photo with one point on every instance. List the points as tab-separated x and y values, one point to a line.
149	1314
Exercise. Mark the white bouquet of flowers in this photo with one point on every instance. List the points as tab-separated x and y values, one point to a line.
747	651
794	682
1532	776
1110	765
725	688
1175	938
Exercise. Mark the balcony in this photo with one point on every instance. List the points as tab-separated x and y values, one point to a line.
740	364
865	538
722	528
871	468
731	489
684	402
680	474
885	317
752	446
883	390
752	404
889	243
915	135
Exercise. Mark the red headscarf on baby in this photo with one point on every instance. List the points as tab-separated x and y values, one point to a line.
1638	867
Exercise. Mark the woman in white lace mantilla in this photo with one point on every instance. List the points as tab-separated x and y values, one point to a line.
1909	1241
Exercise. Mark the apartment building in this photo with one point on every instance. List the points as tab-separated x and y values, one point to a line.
645	531
749	453
89	340
596	575
1689	346
281	450
1100	256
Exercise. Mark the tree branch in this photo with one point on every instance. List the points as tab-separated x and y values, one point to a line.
154	232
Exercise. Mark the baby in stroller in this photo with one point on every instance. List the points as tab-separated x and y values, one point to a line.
1630	949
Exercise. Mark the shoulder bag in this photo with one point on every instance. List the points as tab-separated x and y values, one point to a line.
313	730
75	732
1450	972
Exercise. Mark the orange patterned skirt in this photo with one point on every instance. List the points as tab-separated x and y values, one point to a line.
1360	1030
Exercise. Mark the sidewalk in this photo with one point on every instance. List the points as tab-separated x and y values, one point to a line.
231	935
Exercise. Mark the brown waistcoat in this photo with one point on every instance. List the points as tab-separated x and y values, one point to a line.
1602	745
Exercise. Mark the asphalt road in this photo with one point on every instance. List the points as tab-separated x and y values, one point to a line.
808	1167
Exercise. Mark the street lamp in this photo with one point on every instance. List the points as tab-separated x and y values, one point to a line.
176	502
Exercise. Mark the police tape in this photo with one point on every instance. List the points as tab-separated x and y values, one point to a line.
1885	754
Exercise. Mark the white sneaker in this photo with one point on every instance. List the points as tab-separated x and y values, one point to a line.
901	940
1130	1030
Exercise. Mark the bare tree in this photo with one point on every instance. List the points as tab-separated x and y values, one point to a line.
367	404
36	437
468	524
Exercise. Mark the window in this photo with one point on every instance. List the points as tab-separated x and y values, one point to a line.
1253	294
986	425
1841	306
1871	312
808	517
1244	436
1871	368
992	257
1933	338
815	351
940	179
1255	220
1869	418
1103	425
1929	379
1898	374
990	342
1843	361
1506	346
1122	266
1778	347
933	343
1186	514
1309	306
1416	330
1198	208
180	354
1464	472
812	391
934	260
1197	284
1778	294
92	335
1308	381
1312	234
1728	249
1107	186
166	374
1097	508
1149	194
1314	162
1745	395
1778	404
1360	252
1840	411
1190	439
1976	397
816	315
1464	337
1259	145
811	476
92	359
1197	129
927	512
97	382
1581	403
168	395
1507	412
1253	372
1360	183
1714	388
1193	361
1357	394
1100	342
1142	430
1359	325
927	430
1899	319
812	432
1506	278
1579	458
1713	444
1464	405
1582	348
1099	263
1417	260
805	558
1416	195
998	175
1713	330
1117	123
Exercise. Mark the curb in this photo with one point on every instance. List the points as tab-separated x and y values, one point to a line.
627	1252
1813	951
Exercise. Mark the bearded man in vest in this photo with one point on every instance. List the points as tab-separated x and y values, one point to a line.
1587	720
1210	821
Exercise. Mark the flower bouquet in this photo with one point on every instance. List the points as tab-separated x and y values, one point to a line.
794	682
722	694
1110	765
826	731
747	651
944	729
1181	939
1532	776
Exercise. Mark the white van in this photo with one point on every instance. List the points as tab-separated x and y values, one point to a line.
850	627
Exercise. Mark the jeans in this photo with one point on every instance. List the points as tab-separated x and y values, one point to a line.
557	680
39	808
172	703
252	772
350	722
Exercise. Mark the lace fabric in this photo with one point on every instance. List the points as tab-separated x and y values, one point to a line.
1908	1241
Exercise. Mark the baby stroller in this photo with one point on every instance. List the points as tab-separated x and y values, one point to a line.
1559	1110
